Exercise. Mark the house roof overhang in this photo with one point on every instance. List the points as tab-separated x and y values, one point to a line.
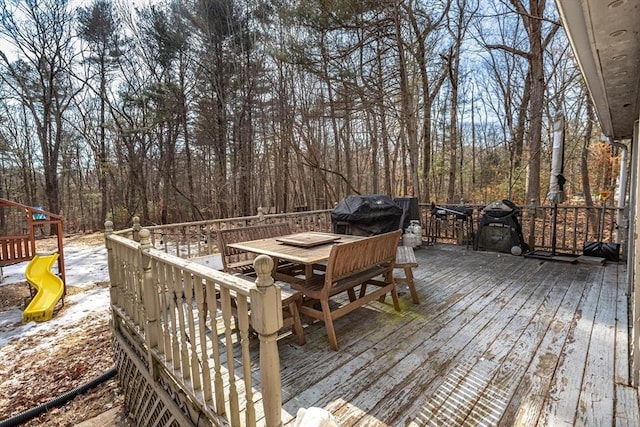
605	38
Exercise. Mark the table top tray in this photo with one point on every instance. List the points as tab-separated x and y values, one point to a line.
307	240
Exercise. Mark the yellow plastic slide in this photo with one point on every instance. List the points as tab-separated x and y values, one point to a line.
49	288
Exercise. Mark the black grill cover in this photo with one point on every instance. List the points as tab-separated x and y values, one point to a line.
367	215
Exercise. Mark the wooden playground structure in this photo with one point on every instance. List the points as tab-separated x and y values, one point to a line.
18	226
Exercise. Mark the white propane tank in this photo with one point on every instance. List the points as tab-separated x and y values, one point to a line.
408	238
414	227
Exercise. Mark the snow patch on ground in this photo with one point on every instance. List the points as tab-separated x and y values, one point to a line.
85	266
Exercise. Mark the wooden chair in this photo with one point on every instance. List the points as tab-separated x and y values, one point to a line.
237	261
350	265
291	300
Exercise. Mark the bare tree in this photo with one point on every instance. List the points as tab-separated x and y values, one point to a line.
464	12
18	153
534	20
40	31
425	26
98	26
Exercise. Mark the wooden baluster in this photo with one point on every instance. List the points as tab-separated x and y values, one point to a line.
188	238
195	363
531	217
243	324
209	241
113	287
163	287
201	308
234	405
218	383
180	313
564	229
171	294
129	295
544	228
138	290
574	242
133	285
149	301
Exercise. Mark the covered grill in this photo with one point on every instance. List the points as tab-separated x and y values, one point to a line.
499	229
366	215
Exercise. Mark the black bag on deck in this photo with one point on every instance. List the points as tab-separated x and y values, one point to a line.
608	251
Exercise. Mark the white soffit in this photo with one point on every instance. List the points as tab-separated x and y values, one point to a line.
605	38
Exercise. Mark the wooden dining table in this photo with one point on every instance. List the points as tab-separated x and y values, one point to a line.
309	248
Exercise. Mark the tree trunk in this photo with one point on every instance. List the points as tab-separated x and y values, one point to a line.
584	167
453	127
408	113
384	132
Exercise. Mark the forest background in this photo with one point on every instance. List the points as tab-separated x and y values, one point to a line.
181	110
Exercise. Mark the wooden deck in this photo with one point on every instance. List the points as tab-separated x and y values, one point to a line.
495	340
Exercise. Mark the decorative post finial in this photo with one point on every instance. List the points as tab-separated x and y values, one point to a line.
136	229
263	265
145	239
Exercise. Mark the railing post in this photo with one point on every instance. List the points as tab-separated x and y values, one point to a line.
532	208
136	229
149	299
266	319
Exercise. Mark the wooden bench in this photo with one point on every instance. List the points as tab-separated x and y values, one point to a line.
237	261
350	265
240	261
406	260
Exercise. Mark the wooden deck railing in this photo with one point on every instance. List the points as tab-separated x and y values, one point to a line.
193	239
181	360
15	249
574	226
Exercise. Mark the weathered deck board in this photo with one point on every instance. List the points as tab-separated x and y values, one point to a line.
483	357
626	406
495	340
623	373
456	343
597	392
388	355
526	402
562	401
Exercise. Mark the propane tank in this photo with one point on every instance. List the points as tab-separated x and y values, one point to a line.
414	227
408	238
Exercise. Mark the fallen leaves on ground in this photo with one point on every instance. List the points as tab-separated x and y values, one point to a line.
35	369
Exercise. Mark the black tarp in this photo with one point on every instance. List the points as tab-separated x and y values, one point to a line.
366	215
410	210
